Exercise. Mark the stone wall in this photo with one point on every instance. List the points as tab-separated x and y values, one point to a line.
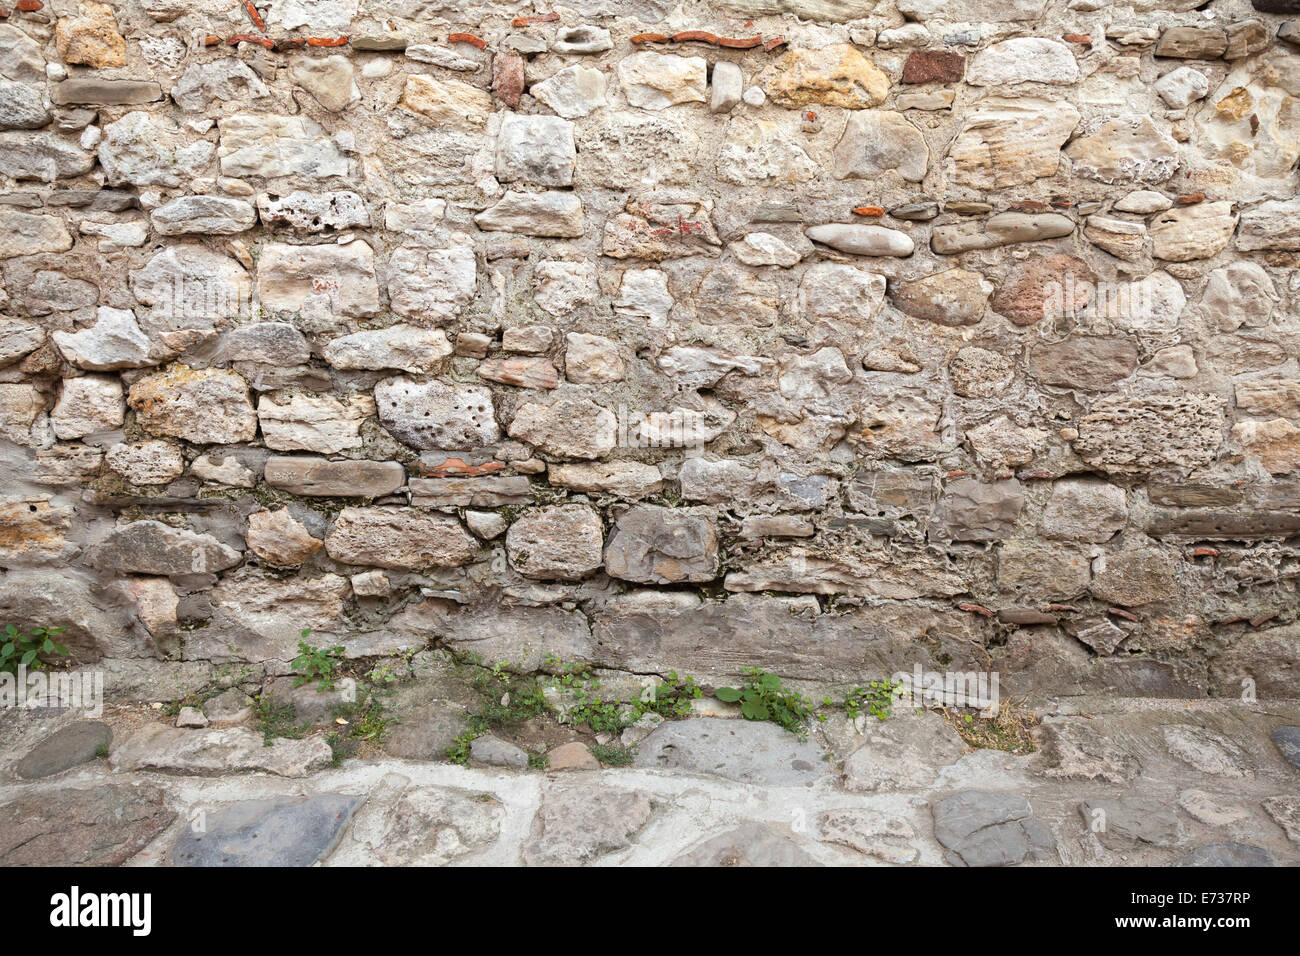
829	336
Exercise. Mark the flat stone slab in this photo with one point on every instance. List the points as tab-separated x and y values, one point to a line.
1124	823
493	752
1288	742
105	825
229	750
293	832
1207	750
72	745
577	824
990	829
747	751
1227	854
750	844
401	825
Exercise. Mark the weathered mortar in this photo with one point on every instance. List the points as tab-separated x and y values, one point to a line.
840	337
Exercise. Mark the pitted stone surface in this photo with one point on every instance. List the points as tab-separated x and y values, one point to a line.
736	750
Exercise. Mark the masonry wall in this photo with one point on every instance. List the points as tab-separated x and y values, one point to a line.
829	336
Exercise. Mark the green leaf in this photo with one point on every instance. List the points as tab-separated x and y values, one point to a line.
28	657
728	695
47	647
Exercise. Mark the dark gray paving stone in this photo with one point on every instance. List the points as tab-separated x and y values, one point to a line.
1287	740
281	832
1227	854
74	744
990	829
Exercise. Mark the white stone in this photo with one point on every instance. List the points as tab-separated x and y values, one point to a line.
656	81
432	285
299	421
1182	87
573	92
728	86
1023	60
115	341
560	287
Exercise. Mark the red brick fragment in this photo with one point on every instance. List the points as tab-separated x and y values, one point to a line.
1120	612
650	38
239	38
934	66
539	18
28	6
868	211
773	43
1205	552
327	41
460	468
1190	199
1081	38
254	15
976	608
508	78
469	38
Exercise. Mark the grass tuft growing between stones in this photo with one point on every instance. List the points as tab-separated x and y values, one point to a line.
1010	730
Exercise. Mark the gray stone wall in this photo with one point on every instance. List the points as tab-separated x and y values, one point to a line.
828	336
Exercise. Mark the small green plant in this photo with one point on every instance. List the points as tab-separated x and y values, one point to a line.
764	697
538	761
610	755
277	720
23	650
670	698
319	664
507	700
361	722
876	699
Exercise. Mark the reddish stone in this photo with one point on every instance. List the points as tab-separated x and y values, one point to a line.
508	78
1031	284
934	66
1190	199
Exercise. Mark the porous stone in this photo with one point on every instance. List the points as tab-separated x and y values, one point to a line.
397	539
205	406
557	543
955	297
836	75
